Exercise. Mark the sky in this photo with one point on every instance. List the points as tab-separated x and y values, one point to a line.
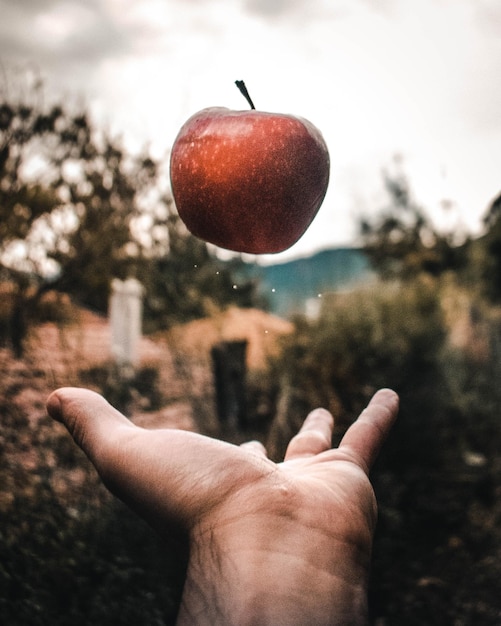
413	84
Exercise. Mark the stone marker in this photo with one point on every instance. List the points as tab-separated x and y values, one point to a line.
125	316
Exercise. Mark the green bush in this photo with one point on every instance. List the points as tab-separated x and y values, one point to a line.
438	514
387	335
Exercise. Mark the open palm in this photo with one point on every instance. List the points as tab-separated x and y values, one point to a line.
267	540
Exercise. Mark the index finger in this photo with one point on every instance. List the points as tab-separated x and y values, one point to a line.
364	438
314	437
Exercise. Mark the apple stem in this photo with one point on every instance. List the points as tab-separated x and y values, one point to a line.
243	89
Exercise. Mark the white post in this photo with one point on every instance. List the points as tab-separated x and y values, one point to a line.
125	318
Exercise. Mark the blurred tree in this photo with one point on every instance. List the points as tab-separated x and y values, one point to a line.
68	194
186	280
77	209
402	242
105	188
489	252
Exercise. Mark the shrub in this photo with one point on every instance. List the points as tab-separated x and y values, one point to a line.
387	335
438	507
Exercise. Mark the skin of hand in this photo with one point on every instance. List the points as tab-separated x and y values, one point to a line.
270	543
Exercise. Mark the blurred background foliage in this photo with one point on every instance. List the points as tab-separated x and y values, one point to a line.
76	209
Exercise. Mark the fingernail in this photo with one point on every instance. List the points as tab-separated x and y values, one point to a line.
54	408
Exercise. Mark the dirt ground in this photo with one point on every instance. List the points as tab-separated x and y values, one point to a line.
59	353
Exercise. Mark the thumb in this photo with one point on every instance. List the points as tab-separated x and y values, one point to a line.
92	422
102	432
113	444
119	451
153	471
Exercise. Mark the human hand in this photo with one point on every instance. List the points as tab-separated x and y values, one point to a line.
287	543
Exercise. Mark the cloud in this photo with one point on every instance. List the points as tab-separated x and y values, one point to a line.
274	8
302	11
65	38
488	16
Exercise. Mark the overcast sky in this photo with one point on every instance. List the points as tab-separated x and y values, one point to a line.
417	78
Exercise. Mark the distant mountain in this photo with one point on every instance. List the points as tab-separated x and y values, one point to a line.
295	286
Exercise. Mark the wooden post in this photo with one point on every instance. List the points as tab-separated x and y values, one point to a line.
229	363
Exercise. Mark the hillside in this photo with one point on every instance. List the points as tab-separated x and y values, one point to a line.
292	286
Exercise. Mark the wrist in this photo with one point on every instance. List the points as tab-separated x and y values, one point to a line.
270	587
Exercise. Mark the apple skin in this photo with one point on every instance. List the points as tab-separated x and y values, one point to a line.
248	181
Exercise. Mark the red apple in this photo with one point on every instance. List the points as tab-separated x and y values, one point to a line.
248	181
